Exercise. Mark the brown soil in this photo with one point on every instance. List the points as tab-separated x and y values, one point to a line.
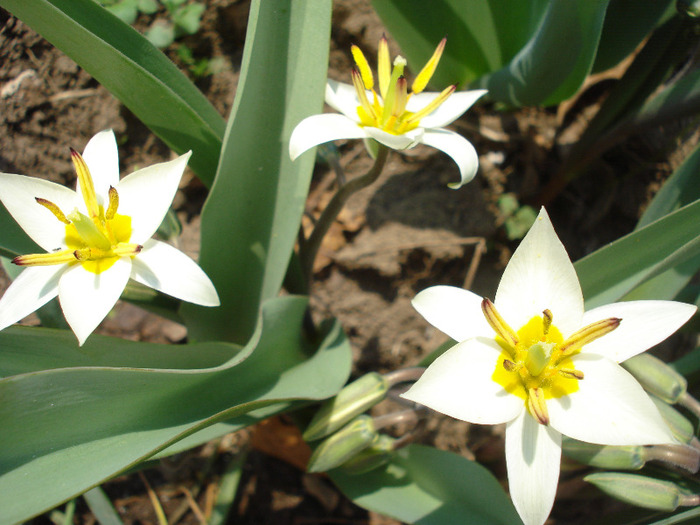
408	231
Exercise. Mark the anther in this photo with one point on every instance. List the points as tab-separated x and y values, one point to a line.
113	203
571	373
509	365
498	323
53	209
546	321
537	405
588	334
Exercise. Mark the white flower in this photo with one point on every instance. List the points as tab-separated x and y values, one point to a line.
97	237
554	372
393	117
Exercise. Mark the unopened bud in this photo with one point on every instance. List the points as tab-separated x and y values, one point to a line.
657	377
605	456
335	450
641	491
372	457
680	426
351	401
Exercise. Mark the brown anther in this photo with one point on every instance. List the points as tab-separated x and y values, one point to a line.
571	373
509	365
498	323
537	405
546	321
113	203
588	334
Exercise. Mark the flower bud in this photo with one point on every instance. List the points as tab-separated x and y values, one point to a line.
351	401
680	426
335	450
657	377
605	456
639	490
372	457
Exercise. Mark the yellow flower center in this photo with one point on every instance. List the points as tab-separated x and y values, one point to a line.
535	363
388	112
96	240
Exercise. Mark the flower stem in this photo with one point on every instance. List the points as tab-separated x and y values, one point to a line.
309	249
683	456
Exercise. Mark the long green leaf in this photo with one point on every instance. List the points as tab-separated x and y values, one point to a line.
252	216
427	486
522	52
614	270
14	241
134	71
66	430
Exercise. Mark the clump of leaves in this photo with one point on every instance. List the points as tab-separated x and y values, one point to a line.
518	219
183	17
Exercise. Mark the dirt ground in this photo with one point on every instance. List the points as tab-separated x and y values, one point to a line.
406	232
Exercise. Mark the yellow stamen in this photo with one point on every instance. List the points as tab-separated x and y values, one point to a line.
589	333
45	259
546	321
427	110
571	373
363	66
537	405
113	203
86	185
401	97
383	66
428	70
498	324
53	209
362	94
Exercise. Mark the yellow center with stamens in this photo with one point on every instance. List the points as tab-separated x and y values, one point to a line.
535	363
387	110
96	240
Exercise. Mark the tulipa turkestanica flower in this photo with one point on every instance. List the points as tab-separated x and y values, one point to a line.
96	238
394	117
535	360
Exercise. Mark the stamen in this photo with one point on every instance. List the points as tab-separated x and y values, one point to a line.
429	69
362	94
363	66
510	365
571	373
127	249
53	209
588	334
498	323
537	405
86	185
401	97
383	66
45	259
546	321
427	110
113	203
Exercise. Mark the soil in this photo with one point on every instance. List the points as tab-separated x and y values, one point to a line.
406	232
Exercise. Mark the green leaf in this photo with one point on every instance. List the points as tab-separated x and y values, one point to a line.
102	507
427	486
14	241
134	71
614	270
251	218
66	430
522	52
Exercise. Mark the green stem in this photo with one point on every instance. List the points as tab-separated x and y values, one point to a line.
309	249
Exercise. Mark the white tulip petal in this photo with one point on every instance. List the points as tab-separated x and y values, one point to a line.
540	276
533	457
457	147
102	158
146	195
167	269
447	112
459	385
343	98
405	141
86	298
31	290
644	324
18	193
455	311
318	129
609	408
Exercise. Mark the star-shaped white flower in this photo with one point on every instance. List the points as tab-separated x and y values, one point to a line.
393	117
97	237
536	361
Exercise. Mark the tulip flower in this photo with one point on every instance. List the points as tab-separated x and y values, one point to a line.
393	117
96	238
534	360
